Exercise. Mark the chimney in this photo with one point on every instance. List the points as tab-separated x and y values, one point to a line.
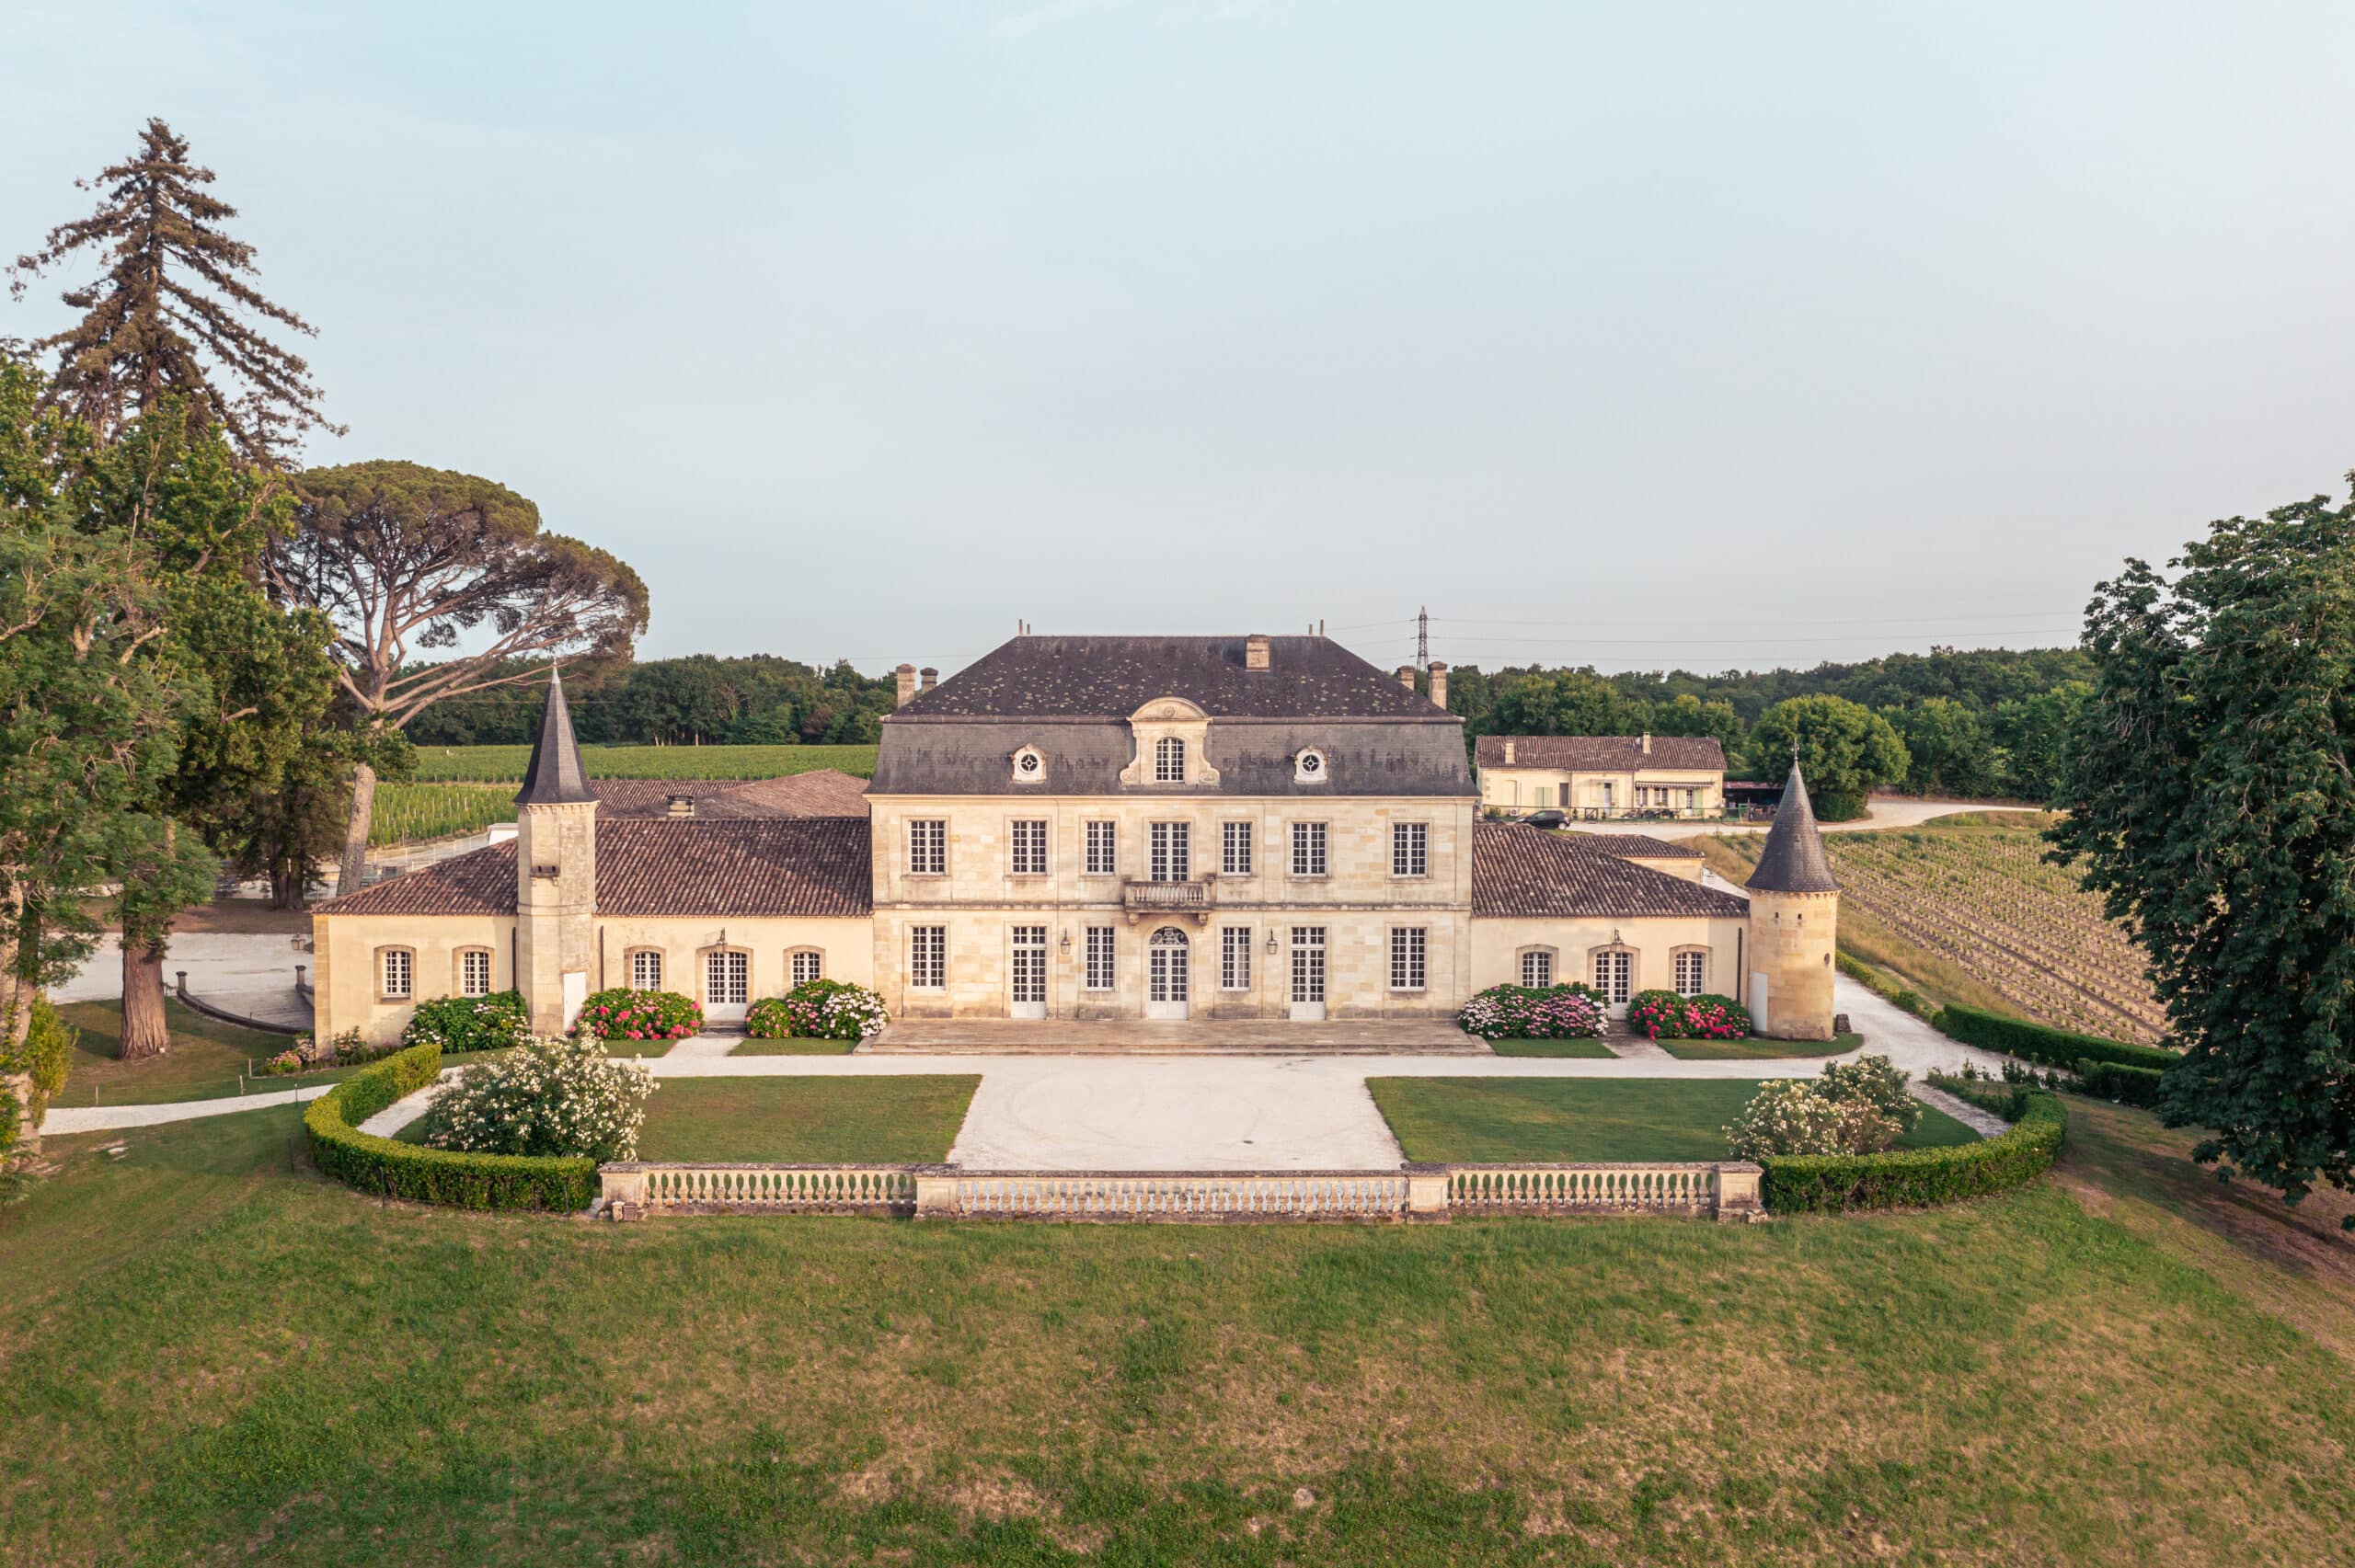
1648	743
931	677
1439	684
682	806
1406	676
1255	651
1508	750
905	677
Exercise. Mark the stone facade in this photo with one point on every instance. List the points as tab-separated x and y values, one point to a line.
1792	938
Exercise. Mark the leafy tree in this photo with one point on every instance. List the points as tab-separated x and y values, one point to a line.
1688	713
400	557
2033	733
1846	749
1561	701
2210	799
170	314
1947	743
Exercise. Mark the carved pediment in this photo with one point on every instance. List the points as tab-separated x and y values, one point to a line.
1170	719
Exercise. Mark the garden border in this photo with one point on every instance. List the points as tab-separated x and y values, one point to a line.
554	1182
1919	1178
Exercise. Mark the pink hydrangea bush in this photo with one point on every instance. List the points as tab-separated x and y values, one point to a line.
1532	1012
1665	1016
818	1010
625	1014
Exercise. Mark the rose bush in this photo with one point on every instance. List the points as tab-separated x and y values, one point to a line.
547	1097
818	1010
1532	1013
626	1014
1666	1015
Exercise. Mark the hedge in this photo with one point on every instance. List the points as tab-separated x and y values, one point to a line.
2115	1080
2036	1042
1881	986
1915	1178
394	1169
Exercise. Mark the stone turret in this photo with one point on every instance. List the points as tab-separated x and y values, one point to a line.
556	872
1794	924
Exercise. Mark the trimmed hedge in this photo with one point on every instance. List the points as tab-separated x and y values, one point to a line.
386	1166
2036	1042
1881	986
1916	1178
2115	1080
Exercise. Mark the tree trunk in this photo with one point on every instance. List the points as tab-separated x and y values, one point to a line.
355	835
146	1031
290	879
16	1020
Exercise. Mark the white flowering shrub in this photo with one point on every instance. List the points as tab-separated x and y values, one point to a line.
547	1097
1793	1115
1876	1082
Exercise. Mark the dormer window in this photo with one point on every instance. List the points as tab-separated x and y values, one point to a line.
1169	760
1308	767
1029	765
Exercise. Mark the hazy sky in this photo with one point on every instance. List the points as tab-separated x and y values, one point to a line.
1637	334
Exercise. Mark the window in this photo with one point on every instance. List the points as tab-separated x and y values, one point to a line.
1029	973
1169	761
1100	973
474	972
1234	849
727	978
804	964
1537	968
1615	971
928	958
928	847
1410	848
1029	849
1308	963
646	970
395	966
1029	767
1308	767
1692	972
1607	787
1103	848
1308	849
1234	958
1173	852
1408	957
1692	800
1541	796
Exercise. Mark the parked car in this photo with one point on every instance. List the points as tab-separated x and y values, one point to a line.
1544	819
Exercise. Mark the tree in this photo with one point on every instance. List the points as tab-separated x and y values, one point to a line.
1948	748
169	313
400	557
2033	733
1688	713
1561	701
1846	751
2210	798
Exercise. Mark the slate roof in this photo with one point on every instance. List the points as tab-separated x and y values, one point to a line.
1253	757
1527	870
1113	677
823	792
1793	860
554	776
1604	753
1640	846
777	865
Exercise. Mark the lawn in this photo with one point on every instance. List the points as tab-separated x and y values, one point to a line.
1575	1047
1478	1119
891	1120
215	1357
794	1048
205	1062
1757	1049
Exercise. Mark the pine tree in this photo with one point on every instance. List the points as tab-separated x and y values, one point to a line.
169	313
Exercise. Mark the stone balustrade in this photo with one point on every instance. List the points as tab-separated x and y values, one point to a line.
1727	1190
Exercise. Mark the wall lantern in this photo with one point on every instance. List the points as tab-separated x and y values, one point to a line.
1271	939
1065	943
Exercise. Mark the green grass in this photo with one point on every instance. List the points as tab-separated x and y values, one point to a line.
204	1063
504	764
1757	1049
216	1357
794	1048
894	1119
1592	1048
1481	1119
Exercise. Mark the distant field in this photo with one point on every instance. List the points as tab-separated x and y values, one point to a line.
504	764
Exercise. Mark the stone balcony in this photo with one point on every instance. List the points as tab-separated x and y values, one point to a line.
1189	898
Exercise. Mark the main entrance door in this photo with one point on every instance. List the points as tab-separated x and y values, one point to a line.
727	986
1167	964
1027	978
1308	974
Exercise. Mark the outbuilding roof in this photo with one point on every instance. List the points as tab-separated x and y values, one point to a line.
1604	753
823	792
1519	870
1108	678
1640	846
777	865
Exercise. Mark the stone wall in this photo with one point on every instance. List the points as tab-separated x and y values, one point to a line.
1498	944
1791	941
346	954
1516	789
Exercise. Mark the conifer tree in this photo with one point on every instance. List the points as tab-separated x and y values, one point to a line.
172	312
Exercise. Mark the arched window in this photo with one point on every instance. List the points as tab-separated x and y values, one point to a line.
1692	970
1169	760
395	974
1613	973
472	965
645	968
1537	968
804	964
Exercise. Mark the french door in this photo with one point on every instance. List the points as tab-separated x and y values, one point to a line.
727	986
1308	973
1168	974
1027	978
1173	851
1615	971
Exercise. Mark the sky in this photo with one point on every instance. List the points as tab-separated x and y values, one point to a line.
1710	336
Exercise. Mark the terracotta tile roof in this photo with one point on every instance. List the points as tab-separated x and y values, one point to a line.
823	792
1527	870
1602	753
1640	846
1113	677
774	865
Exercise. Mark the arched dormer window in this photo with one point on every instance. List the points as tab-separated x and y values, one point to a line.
1169	760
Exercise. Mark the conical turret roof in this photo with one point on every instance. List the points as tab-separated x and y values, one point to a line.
1793	860
555	776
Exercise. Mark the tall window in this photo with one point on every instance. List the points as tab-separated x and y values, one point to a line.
1173	852
474	972
1308	849
396	965
928	958
1408	957
1169	761
1100	957
646	970
1234	958
1410	848
1030	846
1614	969
805	964
1103	848
1537	968
727	979
1607	787
1691	973
1234	849
928	847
